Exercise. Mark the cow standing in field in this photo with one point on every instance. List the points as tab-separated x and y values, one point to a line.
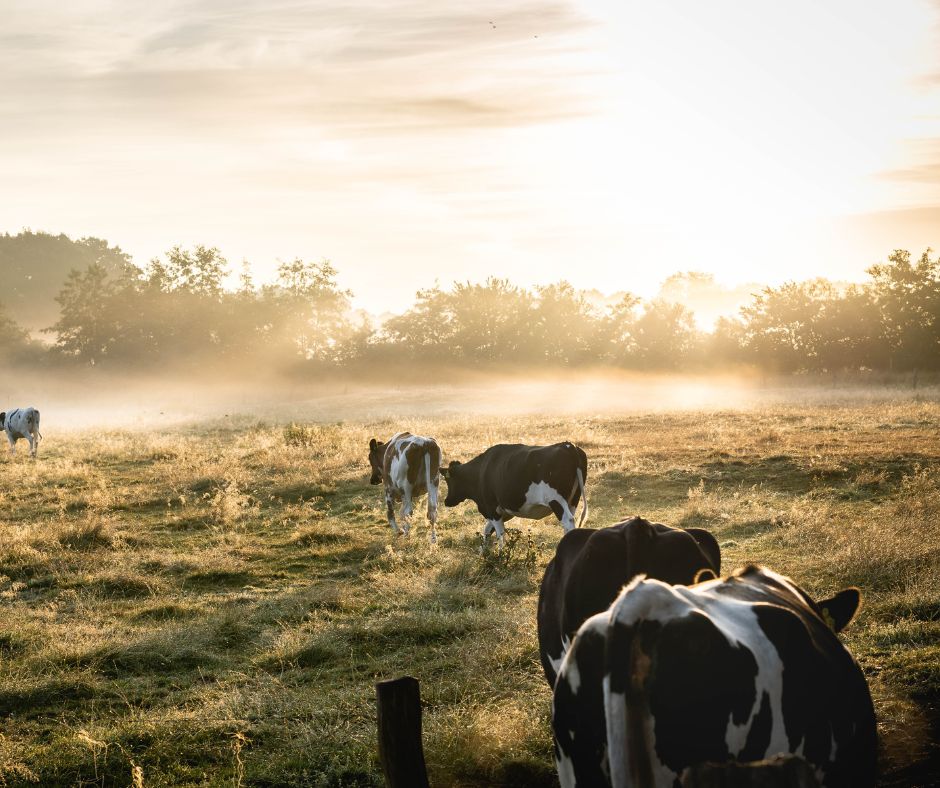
409	465
22	423
735	669
591	566
512	480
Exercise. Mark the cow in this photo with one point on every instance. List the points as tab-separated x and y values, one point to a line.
591	566
513	480
734	669
410	466
22	423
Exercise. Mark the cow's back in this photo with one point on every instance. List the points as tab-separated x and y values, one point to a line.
718	672
412	459
591	566
507	469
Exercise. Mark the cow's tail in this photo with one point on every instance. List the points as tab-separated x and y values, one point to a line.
584	511
626	706
32	421
427	473
432	492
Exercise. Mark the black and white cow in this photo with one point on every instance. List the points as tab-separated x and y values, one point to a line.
22	423
513	480
409	465
591	566
740	668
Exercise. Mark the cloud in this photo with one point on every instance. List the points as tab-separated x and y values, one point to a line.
365	67
925	169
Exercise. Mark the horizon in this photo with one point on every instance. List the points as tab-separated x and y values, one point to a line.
602	144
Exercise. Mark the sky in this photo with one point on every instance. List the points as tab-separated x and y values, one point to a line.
606	143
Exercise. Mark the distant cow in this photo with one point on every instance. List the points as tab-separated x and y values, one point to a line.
22	423
591	566
741	668
512	480
410	466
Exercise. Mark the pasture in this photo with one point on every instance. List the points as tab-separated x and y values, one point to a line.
212	604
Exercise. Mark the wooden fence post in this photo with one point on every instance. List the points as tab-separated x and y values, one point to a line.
399	719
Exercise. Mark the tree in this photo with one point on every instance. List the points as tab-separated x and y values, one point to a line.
36	264
907	296
664	336
618	330
15	344
85	328
309	309
198	272
783	325
565	327
489	322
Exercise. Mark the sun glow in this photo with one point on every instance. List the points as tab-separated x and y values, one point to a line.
607	143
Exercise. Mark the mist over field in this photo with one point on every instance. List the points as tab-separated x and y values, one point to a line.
75	402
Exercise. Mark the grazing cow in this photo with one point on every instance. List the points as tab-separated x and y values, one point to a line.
591	566
511	480
22	423
736	669
410	466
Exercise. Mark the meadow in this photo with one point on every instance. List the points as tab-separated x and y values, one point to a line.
211	602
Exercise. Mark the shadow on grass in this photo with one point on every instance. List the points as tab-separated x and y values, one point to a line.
777	473
38	698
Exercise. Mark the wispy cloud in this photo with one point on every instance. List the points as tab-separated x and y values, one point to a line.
369	67
925	166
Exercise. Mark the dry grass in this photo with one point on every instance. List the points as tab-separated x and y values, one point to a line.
212	606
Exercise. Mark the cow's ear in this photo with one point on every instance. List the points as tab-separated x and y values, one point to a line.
372	444
839	610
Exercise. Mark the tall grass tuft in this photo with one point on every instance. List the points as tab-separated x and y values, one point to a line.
86	535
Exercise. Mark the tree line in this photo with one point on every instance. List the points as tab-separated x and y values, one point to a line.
175	312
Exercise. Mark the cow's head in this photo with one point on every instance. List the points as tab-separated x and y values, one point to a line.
376	460
455	491
3	420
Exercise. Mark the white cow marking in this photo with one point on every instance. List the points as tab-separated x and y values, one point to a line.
537	502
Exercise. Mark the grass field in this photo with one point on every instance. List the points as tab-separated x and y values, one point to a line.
211	605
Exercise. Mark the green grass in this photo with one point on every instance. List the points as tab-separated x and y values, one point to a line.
212	606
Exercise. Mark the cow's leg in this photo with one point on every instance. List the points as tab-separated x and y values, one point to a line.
494	525
12	443
32	445
432	511
390	507
407	508
563	512
487	529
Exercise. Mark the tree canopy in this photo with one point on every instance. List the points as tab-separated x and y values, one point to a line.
177	312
